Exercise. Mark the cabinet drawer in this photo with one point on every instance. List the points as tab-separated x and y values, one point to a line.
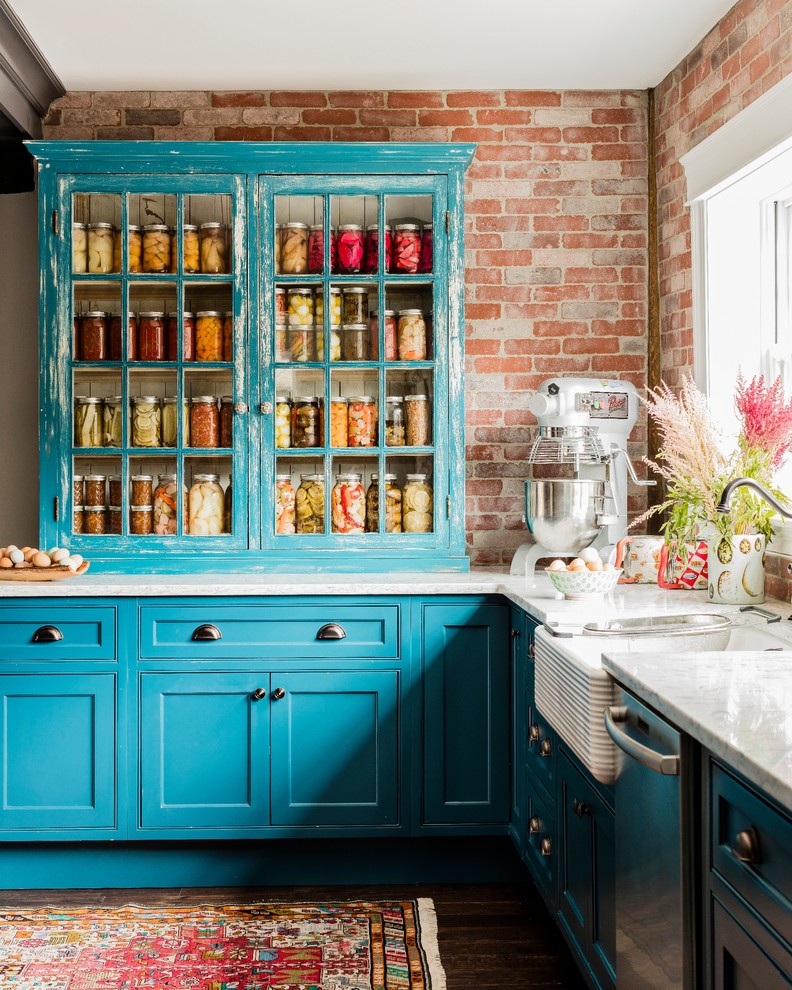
540	752
540	846
75	632
332	631
744	824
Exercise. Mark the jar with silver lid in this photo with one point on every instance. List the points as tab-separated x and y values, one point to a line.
134	248
88	421
283	422
79	248
349	248
306	423
204	421
156	247
393	505
394	421
348	504
214	249
146	421
112	421
309	501
416	408
407	248
417	504
170	421
206	506
101	237
294	248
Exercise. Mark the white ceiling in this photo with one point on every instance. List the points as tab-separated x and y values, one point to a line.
366	44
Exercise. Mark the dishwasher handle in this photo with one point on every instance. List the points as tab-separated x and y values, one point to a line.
666	764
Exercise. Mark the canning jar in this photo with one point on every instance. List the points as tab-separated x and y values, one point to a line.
394	421
141	489
151	336
426	248
348	504
94	519
79	248
280	305
78	519
284	505
417	505
100	248
146	421
191	249
349	248
316	249
282	349
204	421
228	335
94	336
88	421
393	505
277	246
335	307
370	249
134	249
165	507
306	423
156	247
214	251
209	335
302	342
113	520
354	308
117	337
78	489
170	421
390	335
114	489
300	305
95	490
140	520
228	508
309	506
283	422
356	342
206	505
416	418
339	422
294	248
112	421
362	421
188	337
407	248
412	335
227	421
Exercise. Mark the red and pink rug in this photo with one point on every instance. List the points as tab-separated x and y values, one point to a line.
362	945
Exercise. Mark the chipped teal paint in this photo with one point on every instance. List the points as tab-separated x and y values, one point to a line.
253	174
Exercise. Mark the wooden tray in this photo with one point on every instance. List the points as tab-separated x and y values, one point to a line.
55	573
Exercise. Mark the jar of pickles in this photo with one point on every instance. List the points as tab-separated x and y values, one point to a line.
390	335
416	420
355	304
156	247
94	519
407	248
348	504
417	505
134	249
209	336
206	506
228	335
426	249
284	505
302	342
227	421
191	250
339	422
112	421
151	336
94	336
294	248
280	305
356	342
214	251
101	237
277	245
282	349
371	253
117	337
316	249
362	421
283	422
188	337
204	421
412	335
309	501
146	421
170	421
300	305
79	248
393	505
88	421
349	248
95	490
306	424
228	508
165	506
394	421
335	307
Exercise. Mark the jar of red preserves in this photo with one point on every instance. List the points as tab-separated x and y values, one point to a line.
407	248
117	338
371	249
316	249
426	248
94	336
227	421
188	337
204	421
390	336
349	248
151	336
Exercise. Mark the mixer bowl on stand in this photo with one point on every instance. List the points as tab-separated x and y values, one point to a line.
562	512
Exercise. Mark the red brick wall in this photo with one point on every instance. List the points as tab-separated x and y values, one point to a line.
743	56
556	208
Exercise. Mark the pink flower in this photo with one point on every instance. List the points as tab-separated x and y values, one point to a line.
766	417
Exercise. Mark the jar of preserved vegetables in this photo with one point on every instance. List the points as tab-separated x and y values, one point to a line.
426	248
282	349
339	422
393	505
95	490
141	485
170	421
362	421
300	306
214	250
204	421
280	305
113	520
88	421
277	246
209	336
284	505
283	422
114	489
302	342
188	337
348	503
228	335
151	336
156	247
227	421
206	506
191	250
335	307
78	489
117	337
390	335
349	248
417	420
100	248
316	249
412	335
79	248
94	520
407	248
112	421
355	304
306	424
134	247
370	249
228	508
417	505
140	520
310	504
394	421
78	519
146	421
356	342
294	248
165	506
94	337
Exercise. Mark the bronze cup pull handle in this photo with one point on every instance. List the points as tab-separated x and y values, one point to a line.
206	633
47	634
331	630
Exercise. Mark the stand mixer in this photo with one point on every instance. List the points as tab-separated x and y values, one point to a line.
581	452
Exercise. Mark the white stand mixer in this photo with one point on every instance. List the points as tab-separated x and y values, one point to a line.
584	425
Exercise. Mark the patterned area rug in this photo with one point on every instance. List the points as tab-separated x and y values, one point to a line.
364	945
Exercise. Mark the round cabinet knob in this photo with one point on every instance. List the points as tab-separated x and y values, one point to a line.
546	846
545	749
259	693
533	733
746	847
580	808
533	825
240	408
515	633
532	650
279	693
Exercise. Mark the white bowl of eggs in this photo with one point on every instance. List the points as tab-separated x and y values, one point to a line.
584	577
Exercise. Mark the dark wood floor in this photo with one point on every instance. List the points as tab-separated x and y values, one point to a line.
492	936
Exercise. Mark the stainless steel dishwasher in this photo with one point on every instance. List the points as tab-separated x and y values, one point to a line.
654	890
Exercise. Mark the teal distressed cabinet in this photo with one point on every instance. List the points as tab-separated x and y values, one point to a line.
252	354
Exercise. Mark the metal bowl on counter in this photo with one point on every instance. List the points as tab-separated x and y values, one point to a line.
562	512
646	633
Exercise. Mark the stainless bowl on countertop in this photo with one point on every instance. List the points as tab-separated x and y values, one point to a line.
562	512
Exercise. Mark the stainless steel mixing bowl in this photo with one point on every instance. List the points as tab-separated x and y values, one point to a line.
562	512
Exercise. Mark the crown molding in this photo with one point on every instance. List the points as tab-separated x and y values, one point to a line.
27	82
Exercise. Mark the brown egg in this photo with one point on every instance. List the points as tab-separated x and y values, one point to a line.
576	565
40	559
5	562
30	553
9	548
594	565
60	555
